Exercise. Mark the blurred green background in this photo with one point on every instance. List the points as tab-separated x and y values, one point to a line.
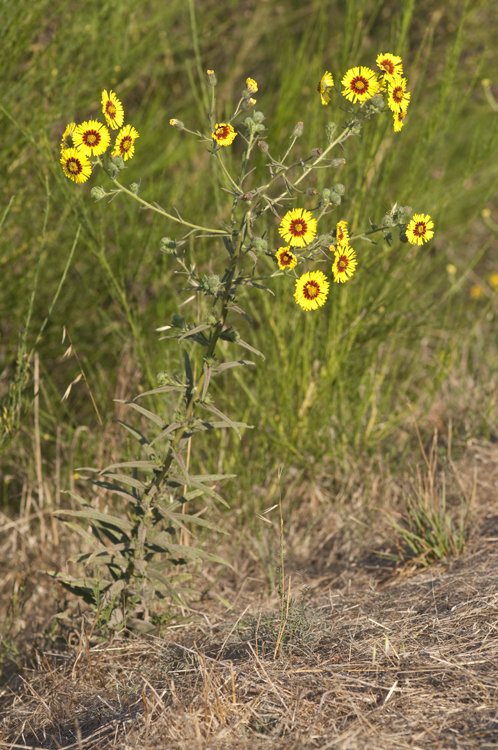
413	323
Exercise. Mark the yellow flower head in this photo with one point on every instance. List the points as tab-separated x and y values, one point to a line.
298	227
345	263
75	165
359	84
341	233
398	98
398	118
390	64
325	85
493	280
113	110
223	134
475	291
285	258
125	142
252	86
419	230
311	290
67	136
92	138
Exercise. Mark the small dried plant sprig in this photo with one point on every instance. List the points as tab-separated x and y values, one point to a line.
139	553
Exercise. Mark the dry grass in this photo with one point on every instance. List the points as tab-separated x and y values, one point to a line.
372	657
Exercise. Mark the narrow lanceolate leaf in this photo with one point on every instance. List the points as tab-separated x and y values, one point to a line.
89	538
162	389
248	282
240	342
188	369
146	413
180	550
207	379
138	435
222	416
192	482
242	312
203	425
145	465
101	559
163	579
185	518
227	365
169	429
93	515
193	331
110	551
123	478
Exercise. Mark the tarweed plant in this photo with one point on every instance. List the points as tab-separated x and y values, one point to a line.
143	556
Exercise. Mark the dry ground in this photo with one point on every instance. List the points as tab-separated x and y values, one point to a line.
371	657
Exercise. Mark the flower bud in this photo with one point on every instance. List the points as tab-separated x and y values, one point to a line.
248	104
252	86
163	378
98	193
135	187
259	245
377	101
326	193
178	321
178	124
388	221
168	246
211	319
258	117
316	152
248	197
403	237
263	146
298	130
408	212
259	128
355	128
339	189
335	198
330	129
311	191
212	284
211	78
337	163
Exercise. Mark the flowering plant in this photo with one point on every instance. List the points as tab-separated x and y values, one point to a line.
157	534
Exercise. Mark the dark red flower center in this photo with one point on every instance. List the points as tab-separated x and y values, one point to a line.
285	259
74	166
342	263
110	108
359	85
311	289
420	229
388	66
398	94
340	234
298	227
222	131
92	138
126	144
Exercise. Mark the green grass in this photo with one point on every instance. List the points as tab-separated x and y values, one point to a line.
334	383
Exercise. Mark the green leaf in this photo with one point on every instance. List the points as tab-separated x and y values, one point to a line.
188	370
227	365
145	465
222	416
180	550
146	413
240	342
123	478
138	436
193	331
162	389
170	428
93	515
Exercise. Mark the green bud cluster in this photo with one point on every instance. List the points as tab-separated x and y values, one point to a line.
259	245
211	284
298	130
330	129
254	124
168	246
98	193
178	321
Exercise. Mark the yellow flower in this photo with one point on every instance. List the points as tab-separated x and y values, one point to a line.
475	291
493	280
390	64
92	138
76	165
345	263
223	134
252	86
325	85
311	290
398	118
113	110
398	98
67	136
298	227
419	230
285	258
341	233
359	84
125	142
